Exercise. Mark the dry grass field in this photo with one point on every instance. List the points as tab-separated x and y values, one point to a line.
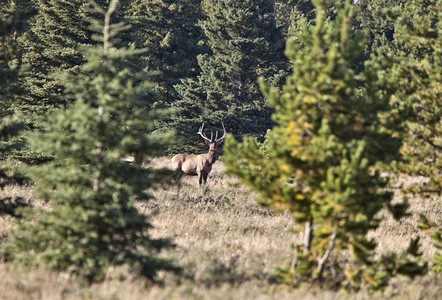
228	247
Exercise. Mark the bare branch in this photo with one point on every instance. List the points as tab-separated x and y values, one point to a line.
308	231
324	258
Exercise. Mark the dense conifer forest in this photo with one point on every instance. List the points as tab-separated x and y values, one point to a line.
328	106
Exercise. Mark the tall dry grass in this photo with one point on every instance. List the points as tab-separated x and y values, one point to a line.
227	245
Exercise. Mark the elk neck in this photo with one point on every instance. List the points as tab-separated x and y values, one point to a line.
211	155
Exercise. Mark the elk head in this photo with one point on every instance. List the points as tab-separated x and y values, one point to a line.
201	164
212	142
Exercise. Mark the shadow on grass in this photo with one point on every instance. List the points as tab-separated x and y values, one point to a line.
10	206
218	273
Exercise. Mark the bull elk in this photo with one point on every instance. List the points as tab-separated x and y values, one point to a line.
201	164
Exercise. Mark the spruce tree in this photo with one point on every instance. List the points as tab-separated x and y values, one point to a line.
245	44
49	48
169	31
13	18
92	222
322	160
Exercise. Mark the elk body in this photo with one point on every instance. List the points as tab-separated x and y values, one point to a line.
201	164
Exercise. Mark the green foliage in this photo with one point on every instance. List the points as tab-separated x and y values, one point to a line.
9	128
285	10
92	223
373	17
169	31
8	53
12	24
323	160
437	260
417	59
49	48
419	32
245	44
435	228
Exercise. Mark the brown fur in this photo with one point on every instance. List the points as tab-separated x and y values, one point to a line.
201	164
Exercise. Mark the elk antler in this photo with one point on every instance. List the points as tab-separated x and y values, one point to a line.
218	141
201	133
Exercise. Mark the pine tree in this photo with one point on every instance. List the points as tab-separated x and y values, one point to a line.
169	31
12	24
245	44
417	58
93	223
49	48
322	160
372	17
287	8
14	16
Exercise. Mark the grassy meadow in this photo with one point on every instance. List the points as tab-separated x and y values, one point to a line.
228	247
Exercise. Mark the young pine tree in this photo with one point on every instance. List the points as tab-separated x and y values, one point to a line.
417	58
93	223
245	44
321	161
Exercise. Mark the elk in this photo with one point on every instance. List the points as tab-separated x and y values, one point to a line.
201	164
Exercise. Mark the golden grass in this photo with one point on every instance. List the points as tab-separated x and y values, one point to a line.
228	247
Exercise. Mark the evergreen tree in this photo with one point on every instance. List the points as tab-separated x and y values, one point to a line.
418	58
93	222
245	44
50	47
286	9
322	160
12	23
169	31
372	17
417	66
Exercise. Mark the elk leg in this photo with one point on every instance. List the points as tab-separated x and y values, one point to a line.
177	175
200	178
205	177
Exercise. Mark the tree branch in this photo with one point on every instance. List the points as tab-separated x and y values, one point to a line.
324	258
308	232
